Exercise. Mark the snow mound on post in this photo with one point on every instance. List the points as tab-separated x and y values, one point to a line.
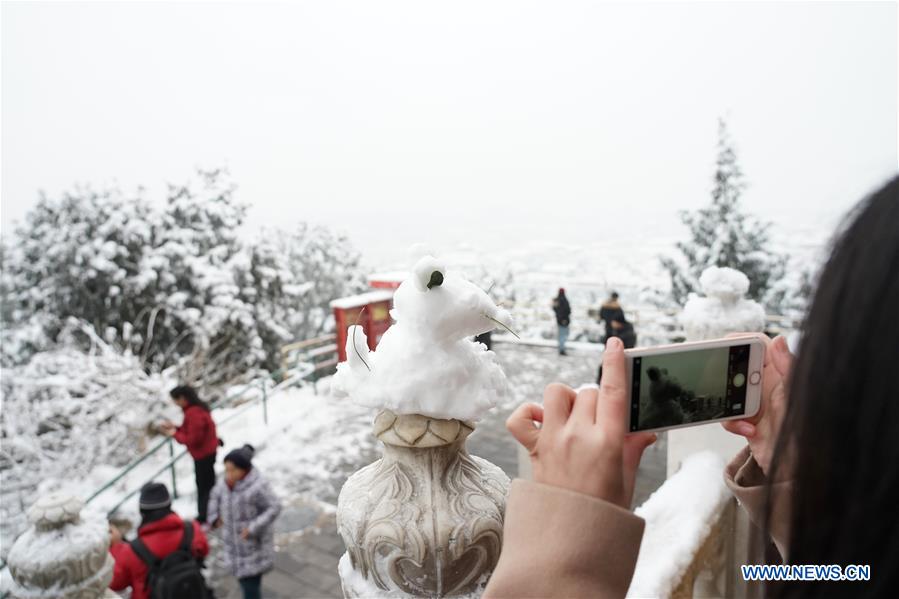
724	282
427	363
679	517
724	310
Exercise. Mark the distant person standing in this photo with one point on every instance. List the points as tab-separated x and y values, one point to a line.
563	318
244	507
616	323
197	432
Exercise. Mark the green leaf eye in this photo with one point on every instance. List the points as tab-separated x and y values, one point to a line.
436	279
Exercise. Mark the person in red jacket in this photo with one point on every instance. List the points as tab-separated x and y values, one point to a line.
161	530
197	432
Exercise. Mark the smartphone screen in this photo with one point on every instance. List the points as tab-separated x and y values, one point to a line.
688	386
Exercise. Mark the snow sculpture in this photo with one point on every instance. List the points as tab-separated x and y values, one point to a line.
724	309
427	363
427	518
62	555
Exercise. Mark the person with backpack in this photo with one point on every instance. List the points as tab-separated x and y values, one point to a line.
165	559
617	324
244	507
197	432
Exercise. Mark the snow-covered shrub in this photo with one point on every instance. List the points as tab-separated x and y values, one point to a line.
78	256
178	286
201	313
68	410
323	265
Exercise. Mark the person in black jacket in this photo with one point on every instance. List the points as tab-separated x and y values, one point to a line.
563	318
616	323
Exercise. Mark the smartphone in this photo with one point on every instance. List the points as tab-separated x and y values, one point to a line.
686	384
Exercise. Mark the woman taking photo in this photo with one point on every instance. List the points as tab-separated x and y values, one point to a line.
820	473
244	507
197	432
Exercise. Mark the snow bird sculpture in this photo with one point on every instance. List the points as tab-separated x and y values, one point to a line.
427	363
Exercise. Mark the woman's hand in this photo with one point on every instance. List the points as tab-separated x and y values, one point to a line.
762	429
582	445
245	534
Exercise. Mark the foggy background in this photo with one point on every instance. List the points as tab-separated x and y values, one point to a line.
499	123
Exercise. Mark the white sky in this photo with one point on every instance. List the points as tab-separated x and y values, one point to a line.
502	122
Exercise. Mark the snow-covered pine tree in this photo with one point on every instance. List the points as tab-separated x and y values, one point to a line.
722	234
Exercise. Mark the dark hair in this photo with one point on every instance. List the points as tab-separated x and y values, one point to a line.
843	409
653	373
614	295
190	394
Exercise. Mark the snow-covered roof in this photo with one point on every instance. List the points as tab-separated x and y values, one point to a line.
363	299
394	278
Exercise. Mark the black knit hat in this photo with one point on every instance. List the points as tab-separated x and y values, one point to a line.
154	496
242	458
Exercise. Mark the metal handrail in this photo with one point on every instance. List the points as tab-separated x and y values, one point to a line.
300	370
170	463
162	443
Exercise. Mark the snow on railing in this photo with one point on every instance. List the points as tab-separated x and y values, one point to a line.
683	534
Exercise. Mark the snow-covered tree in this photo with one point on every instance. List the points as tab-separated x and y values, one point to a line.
722	234
80	404
324	265
199	310
176	287
78	256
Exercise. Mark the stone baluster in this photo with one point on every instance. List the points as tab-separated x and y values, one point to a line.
63	554
424	520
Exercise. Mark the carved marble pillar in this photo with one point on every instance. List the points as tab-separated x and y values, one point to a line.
62	555
424	520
